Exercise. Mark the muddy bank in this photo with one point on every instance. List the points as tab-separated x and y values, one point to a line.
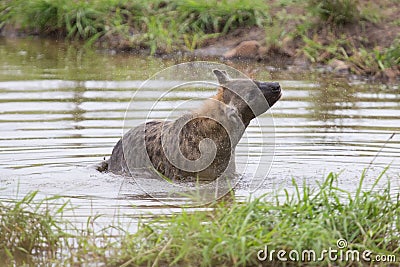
349	38
250	44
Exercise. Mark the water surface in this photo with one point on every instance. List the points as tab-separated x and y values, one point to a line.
62	110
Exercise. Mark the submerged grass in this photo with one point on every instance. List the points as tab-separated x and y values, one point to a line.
231	234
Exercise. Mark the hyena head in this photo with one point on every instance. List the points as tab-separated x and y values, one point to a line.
251	98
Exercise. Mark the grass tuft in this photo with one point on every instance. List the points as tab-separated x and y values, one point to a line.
335	11
161	26
166	26
213	16
227	234
28	228
233	233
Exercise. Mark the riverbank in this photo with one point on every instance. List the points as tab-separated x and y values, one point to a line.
321	226
346	37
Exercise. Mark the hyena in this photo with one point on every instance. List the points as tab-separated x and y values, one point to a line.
200	144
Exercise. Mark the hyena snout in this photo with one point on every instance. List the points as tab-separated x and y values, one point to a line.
271	91
273	87
270	86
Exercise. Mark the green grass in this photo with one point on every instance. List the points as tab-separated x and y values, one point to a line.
215	16
335	11
391	56
360	60
370	12
316	51
167	26
364	62
232	234
28	228
160	26
228	234
73	19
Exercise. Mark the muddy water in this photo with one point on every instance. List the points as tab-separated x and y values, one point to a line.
62	110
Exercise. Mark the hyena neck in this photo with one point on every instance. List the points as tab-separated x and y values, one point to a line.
218	121
246	117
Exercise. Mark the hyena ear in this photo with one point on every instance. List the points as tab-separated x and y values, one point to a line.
222	76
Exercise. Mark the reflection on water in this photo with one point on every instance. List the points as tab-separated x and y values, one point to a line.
62	110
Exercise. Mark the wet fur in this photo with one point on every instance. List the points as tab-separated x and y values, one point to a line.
198	128
225	108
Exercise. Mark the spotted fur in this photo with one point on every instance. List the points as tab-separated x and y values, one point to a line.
222	119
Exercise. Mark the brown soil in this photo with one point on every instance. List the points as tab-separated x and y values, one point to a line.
250	43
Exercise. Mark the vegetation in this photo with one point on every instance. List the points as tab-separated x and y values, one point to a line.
318	30
215	16
336	30
229	233
154	24
335	11
29	228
